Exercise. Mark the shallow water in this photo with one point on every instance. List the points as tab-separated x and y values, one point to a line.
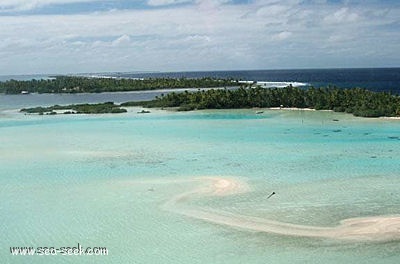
104	180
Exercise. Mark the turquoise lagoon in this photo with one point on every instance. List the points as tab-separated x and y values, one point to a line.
103	180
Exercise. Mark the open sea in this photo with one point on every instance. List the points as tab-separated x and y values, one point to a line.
194	187
376	79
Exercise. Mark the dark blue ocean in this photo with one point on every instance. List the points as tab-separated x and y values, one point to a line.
376	79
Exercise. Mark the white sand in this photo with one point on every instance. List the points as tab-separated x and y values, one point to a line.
291	108
377	228
390	117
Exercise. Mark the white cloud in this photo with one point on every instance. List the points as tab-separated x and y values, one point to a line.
122	41
166	2
282	35
203	36
272	11
343	15
24	5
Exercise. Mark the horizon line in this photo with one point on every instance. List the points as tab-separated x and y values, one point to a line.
193	71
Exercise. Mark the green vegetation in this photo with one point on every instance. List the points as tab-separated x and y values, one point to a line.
102	108
74	84
359	102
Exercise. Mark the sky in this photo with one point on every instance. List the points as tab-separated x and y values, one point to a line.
75	36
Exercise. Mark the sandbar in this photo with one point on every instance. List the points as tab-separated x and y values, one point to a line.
374	228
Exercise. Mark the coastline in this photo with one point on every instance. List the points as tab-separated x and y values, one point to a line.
136	109
298	109
293	109
393	118
390	117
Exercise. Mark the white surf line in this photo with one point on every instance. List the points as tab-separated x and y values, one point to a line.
376	228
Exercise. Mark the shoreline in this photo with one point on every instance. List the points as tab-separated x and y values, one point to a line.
300	109
16	111
312	109
389	117
293	109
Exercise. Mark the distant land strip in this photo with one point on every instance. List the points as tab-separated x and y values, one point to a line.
77	84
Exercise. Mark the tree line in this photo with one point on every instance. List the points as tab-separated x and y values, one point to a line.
357	101
76	84
360	102
100	108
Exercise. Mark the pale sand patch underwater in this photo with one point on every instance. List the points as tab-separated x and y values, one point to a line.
375	228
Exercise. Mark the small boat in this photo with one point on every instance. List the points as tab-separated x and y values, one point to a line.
144	112
259	112
24	92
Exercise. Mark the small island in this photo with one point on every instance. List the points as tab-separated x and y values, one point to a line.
101	108
357	101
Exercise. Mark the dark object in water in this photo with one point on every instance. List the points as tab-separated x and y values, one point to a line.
143	112
269	196
337	130
336	120
394	137
150	190
259	112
